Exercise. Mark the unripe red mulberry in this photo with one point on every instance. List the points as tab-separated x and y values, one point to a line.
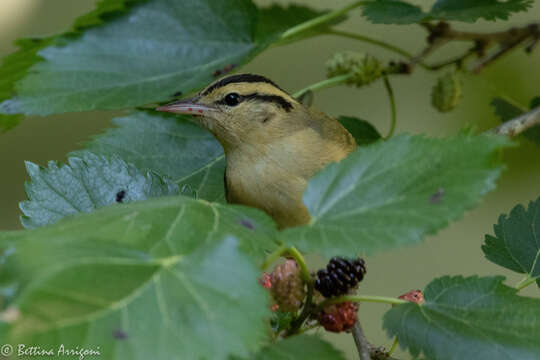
288	287
338	317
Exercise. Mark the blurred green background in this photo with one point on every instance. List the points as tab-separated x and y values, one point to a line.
455	250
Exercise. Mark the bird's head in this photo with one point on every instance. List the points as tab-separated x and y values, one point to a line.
240	109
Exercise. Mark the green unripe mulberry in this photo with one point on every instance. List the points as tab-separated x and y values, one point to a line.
447	93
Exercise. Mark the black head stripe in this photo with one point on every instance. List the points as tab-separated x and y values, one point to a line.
276	99
287	106
241	78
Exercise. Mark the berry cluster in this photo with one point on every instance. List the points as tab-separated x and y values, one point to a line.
340	276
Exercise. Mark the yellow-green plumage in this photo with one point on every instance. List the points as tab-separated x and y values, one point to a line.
273	144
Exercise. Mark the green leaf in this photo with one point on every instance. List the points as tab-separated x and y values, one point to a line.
401	12
204	305
395	192
174	272
85	184
472	10
507	111
300	347
468	318
15	66
516	244
392	12
169	145
157	49
363	132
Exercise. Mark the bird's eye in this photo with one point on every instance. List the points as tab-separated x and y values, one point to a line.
232	99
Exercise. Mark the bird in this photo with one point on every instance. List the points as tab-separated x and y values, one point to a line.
273	144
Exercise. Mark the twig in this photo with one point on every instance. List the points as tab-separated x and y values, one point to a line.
333	81
442	33
458	61
434	45
380	43
361	342
320	20
361	298
520	124
504	49
526	281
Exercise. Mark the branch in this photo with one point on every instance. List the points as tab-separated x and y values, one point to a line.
442	33
518	125
361	342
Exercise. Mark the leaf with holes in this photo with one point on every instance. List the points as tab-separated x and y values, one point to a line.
178	266
300	347
516	244
87	183
146	54
468	318
169	145
394	193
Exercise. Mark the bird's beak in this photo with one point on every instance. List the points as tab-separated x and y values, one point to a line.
187	106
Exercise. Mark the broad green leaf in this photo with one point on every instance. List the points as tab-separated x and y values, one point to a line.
145	280
173	224
468	318
392	12
15	67
507	111
401	12
206	304
472	10
516	244
157	49
85	184
395	192
170	146
363	132
298	348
